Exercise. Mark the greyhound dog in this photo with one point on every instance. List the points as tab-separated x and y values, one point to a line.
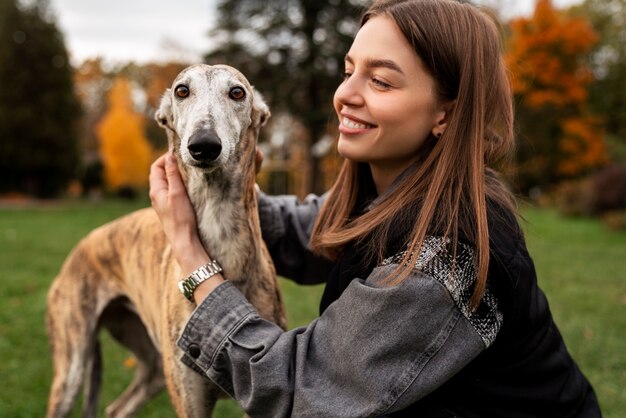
123	277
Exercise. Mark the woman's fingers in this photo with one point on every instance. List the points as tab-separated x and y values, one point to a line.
158	181
258	160
165	180
174	180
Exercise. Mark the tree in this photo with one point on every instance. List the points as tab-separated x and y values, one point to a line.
92	82
126	153
549	57
93	79
608	92
293	51
39	110
155	80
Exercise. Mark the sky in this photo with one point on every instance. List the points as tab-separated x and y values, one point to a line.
137	30
162	30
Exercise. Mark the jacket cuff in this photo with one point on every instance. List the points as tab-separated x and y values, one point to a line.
211	323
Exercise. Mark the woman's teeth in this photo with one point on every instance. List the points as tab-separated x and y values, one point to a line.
348	123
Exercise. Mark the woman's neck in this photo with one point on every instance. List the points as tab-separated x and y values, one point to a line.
384	175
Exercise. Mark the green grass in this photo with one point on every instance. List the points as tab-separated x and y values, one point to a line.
581	267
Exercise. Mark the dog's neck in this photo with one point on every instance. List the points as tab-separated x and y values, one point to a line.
228	221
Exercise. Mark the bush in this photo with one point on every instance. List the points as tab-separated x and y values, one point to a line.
92	178
615	220
608	190
572	198
127	192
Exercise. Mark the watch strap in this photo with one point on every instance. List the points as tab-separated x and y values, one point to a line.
201	274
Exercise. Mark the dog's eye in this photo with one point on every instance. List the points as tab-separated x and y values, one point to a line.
237	93
181	91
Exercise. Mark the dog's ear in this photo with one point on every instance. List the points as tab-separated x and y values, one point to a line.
260	110
163	115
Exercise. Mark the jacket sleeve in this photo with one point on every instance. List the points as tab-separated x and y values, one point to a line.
286	225
375	350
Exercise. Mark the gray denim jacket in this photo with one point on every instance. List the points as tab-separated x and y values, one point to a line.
375	350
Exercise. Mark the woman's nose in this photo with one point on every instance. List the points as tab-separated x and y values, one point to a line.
349	92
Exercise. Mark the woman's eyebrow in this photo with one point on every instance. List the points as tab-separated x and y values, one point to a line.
376	63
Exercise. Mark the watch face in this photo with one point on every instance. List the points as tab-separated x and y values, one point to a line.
187	287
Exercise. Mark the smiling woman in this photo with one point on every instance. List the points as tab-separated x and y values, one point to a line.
431	306
387	103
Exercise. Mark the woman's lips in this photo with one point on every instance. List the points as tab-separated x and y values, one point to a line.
353	125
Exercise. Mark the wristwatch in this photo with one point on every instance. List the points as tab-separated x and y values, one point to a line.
188	285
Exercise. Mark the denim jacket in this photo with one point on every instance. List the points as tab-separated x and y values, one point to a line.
375	350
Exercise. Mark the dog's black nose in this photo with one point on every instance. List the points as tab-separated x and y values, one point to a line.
205	145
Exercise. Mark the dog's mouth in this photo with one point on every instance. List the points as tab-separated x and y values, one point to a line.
204	166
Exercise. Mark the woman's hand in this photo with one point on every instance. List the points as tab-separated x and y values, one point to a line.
169	199
258	160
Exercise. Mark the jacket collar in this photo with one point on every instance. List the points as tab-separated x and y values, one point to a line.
394	185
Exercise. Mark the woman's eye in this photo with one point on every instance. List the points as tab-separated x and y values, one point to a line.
237	93
181	91
381	83
346	75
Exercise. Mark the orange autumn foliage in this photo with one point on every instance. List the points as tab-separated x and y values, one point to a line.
125	150
160	78
581	144
548	54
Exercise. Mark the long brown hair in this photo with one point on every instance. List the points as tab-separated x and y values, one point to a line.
460	47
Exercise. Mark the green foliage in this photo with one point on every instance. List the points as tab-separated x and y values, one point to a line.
580	266
608	93
38	108
292	51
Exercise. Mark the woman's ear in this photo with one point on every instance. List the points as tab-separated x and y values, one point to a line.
442	119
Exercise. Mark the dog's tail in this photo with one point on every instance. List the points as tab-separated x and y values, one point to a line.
93	382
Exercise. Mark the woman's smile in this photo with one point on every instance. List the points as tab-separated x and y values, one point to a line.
350	125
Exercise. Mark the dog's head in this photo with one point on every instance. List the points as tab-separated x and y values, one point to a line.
212	116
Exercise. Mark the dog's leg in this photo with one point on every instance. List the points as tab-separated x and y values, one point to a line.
72	338
93	382
192	395
126	327
67	380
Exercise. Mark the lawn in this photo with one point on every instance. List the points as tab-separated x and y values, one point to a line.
581	267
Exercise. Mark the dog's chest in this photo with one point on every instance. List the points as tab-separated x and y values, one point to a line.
227	236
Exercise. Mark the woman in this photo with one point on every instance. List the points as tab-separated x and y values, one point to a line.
431	307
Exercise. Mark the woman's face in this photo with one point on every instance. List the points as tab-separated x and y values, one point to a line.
386	104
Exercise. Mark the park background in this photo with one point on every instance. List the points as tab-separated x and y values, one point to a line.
77	137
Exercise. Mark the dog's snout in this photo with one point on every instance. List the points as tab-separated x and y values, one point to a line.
205	145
